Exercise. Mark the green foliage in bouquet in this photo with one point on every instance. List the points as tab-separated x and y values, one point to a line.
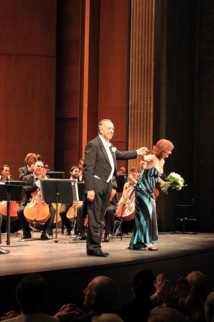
173	181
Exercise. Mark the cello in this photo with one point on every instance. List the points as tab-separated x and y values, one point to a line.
57	217
72	212
36	211
126	206
14	206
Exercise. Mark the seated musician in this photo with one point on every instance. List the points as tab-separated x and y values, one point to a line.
71	213
5	176
126	204
30	160
81	165
5	173
32	193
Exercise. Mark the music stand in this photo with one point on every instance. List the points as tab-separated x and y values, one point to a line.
56	174
11	191
81	190
56	191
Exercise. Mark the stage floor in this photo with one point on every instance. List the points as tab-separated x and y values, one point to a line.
68	269
66	252
39	256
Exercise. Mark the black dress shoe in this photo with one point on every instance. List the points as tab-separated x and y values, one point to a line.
26	237
98	253
106	238
45	236
82	237
50	233
4	251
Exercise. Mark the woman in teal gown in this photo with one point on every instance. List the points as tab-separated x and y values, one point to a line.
145	230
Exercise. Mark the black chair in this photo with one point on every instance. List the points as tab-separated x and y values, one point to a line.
117	229
184	218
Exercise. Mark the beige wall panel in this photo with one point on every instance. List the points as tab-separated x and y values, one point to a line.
27	107
27	27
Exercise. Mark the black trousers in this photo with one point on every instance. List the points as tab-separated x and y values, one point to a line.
96	211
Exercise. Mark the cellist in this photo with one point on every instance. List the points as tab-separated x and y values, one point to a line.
39	172
5	176
73	212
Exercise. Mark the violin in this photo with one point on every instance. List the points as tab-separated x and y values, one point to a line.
36	211
14	206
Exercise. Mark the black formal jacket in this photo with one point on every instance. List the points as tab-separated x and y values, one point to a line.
97	161
28	189
23	171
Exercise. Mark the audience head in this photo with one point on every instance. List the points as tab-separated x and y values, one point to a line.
31	293
165	314
100	293
180	297
107	317
142	283
199	284
209	307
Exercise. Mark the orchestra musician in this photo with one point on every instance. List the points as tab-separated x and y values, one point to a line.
30	159
81	165
39	172
5	173
74	209
126	205
4	176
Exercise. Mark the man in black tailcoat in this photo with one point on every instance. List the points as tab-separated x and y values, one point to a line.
100	167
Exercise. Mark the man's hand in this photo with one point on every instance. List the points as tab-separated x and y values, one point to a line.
68	311
142	151
90	195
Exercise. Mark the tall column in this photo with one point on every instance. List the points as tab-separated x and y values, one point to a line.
141	74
